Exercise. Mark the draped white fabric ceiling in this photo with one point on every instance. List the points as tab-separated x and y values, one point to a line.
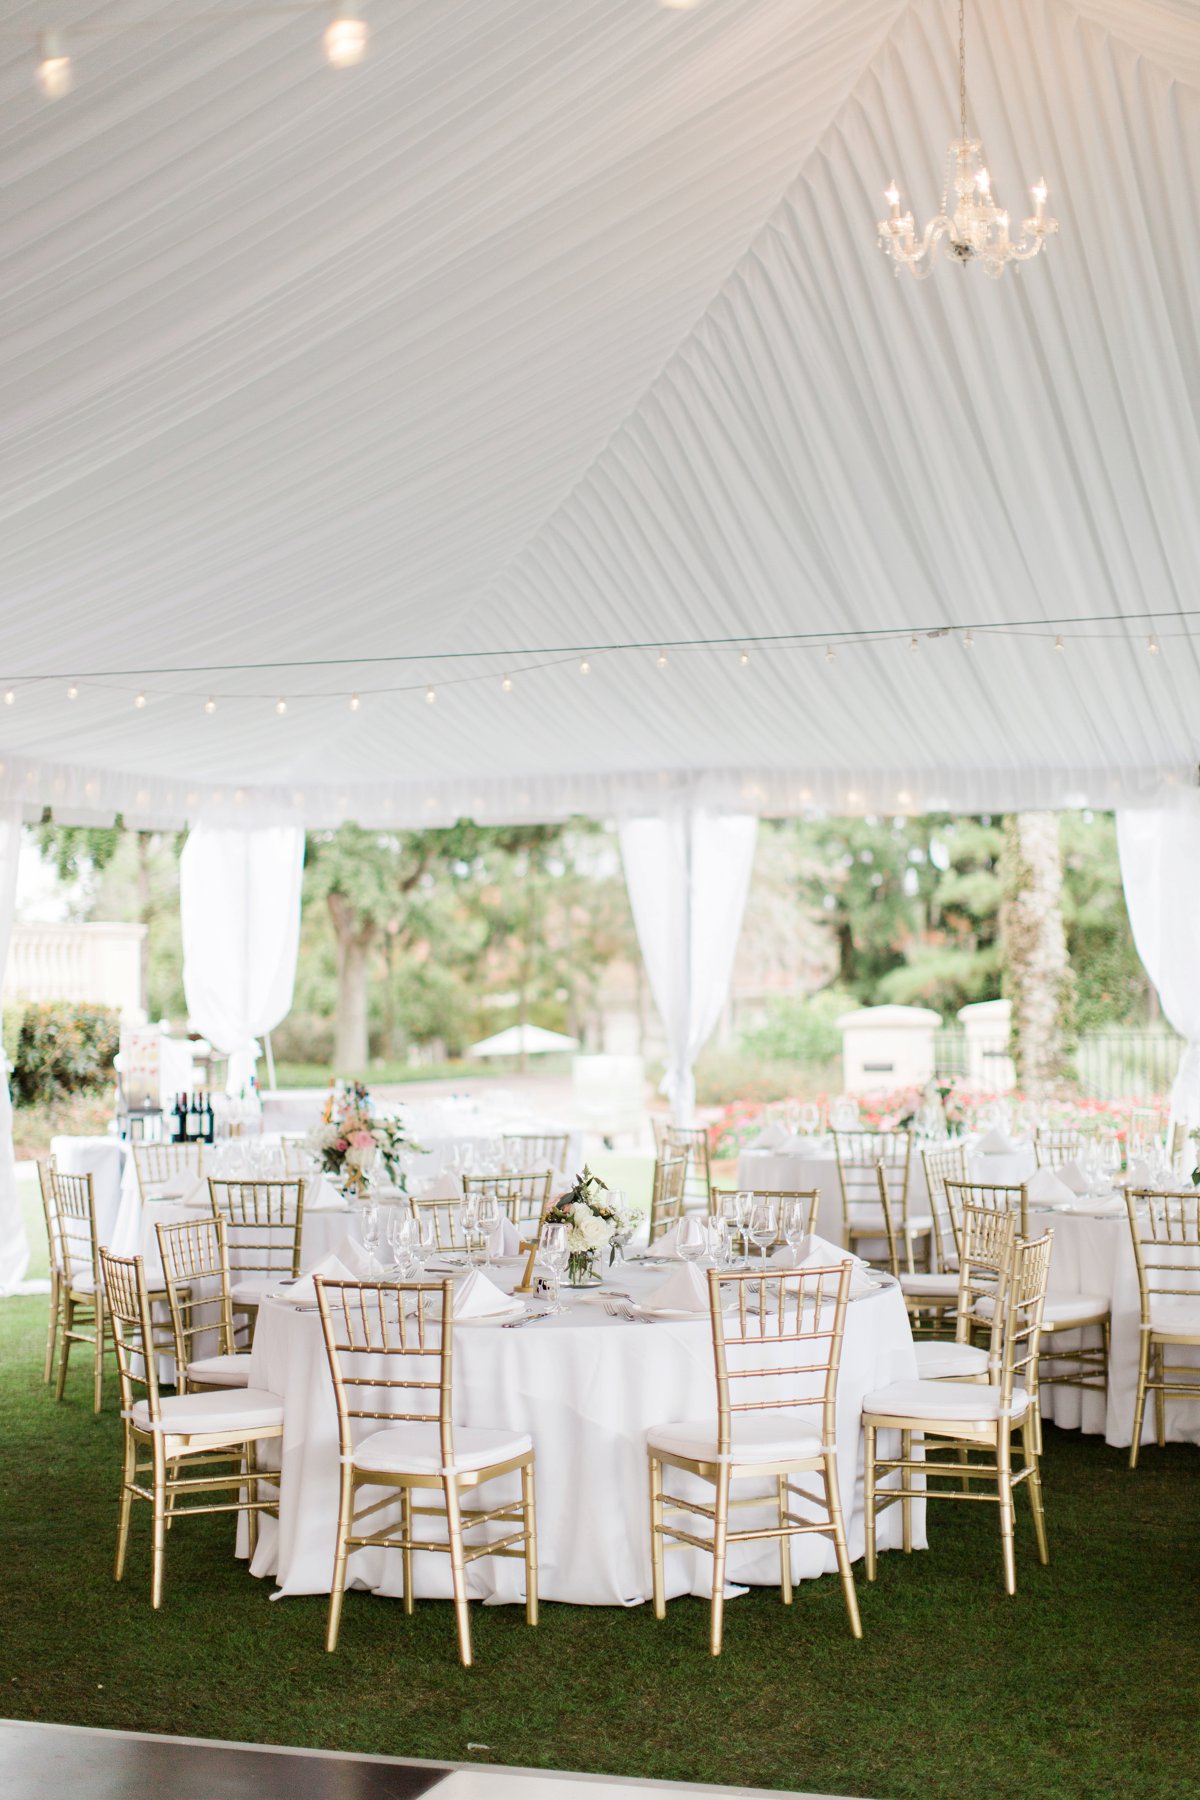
561	323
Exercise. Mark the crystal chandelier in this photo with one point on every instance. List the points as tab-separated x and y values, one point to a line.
977	231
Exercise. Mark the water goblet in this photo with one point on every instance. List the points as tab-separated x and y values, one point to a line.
691	1240
552	1252
763	1225
744	1205
792	1225
720	1249
368	1231
489	1215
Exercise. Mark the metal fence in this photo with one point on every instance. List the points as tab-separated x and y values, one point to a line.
1120	1063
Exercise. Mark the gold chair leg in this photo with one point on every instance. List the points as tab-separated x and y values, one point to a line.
1035	1489
529	1519
720	1541
906	1531
458	1570
1139	1405
785	1544
656	1540
52	1327
159	1539
869	1500
98	1360
1158	1358
64	1347
128	1471
341	1554
833	1502
406	1527
1007	1516
252	1496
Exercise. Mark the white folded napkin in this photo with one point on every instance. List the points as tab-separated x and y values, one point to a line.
185	1188
816	1250
506	1239
304	1293
475	1296
996	1143
860	1281
684	1290
1141	1175
1045	1186
321	1196
440	1187
770	1137
1073	1177
665	1248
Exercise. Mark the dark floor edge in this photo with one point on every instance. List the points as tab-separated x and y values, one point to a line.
650	1783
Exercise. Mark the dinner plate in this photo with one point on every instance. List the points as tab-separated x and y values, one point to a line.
499	1317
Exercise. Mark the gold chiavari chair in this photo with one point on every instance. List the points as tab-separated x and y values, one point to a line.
777	1340
81	1292
446	1212
263	1225
990	1196
57	1270
1147	1132
179	1446
1055	1145
987	1244
414	1446
666	1194
859	1154
523	1199
1166	1247
1179	1138
529	1150
958	1415
930	1295
948	1163
157	1164
196	1268
293	1149
808	1199
691	1142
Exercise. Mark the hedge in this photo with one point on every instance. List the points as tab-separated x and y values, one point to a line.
55	1048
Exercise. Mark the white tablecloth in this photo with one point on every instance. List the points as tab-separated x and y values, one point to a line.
587	1387
103	1158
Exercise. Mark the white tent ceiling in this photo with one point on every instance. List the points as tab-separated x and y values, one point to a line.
561	323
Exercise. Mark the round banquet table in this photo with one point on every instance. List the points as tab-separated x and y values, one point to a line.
587	1387
103	1158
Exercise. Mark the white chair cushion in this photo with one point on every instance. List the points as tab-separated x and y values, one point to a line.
939	1360
930	1287
417	1449
1061	1310
238	1413
942	1402
1177	1315
757	1437
868	1221
227	1371
82	1284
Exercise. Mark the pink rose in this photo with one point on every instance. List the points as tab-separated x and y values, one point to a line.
361	1140
341	1146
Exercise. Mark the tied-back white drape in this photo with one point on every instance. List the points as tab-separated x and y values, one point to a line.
239	901
687	875
14	1247
1160	863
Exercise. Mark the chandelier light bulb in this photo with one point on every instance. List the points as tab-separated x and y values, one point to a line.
345	40
983	182
72	692
678	5
355	703
53	74
585	667
430	696
139	700
281	706
210	706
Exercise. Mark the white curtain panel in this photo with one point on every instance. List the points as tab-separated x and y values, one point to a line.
14	1247
1160	862
239	900
687	874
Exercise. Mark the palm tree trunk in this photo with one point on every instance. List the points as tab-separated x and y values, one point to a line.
1037	972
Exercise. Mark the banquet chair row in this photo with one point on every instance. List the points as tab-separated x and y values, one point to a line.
155	1164
1165	1228
690	1142
859	1154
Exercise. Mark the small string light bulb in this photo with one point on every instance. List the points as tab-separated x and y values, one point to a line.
830	653
210	706
744	659
1152	645
139	700
72	692
661	659
355	703
345	40
53	73
430	696
1059	644
10	695
585	667
914	642
281	706
968	640
506	684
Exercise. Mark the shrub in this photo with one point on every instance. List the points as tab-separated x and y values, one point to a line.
57	1048
801	1032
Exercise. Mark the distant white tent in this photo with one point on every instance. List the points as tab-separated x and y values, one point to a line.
523	1040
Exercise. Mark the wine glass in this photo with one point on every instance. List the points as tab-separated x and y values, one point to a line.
368	1231
552	1251
793	1226
720	1248
423	1241
488	1216
763	1225
744	1205
399	1233
691	1240
468	1215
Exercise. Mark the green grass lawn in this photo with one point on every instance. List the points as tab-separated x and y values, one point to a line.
1086	1684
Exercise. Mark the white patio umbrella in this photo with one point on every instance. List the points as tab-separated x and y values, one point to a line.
523	1040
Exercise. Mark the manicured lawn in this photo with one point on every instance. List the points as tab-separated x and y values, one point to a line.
1087	1684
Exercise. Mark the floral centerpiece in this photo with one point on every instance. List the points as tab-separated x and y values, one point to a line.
350	1137
595	1221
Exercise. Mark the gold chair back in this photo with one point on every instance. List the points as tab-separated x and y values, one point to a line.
156	1163
75	1214
523	1198
196	1270
390	1350
293	1148
889	1221
128	1304
991	1196
803	1309
988	1238
54	1248
1166	1247
691	1142
859	1154
1021	1300
1055	1145
666	1194
263	1224
807	1198
446	1212
947	1164
532	1150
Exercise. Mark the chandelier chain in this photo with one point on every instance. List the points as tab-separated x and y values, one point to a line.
962	67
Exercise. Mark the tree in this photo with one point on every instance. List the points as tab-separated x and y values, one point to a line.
1037	973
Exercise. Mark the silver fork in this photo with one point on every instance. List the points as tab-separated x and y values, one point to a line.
620	1309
